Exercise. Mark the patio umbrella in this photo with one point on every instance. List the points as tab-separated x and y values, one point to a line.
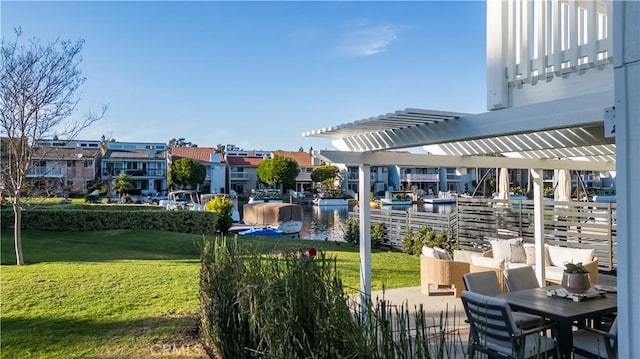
503	184
562	192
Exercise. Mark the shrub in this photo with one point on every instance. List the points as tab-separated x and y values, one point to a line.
292	305
352	235
222	207
377	233
56	218
285	306
408	241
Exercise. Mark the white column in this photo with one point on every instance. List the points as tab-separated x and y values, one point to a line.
364	183
626	45
538	223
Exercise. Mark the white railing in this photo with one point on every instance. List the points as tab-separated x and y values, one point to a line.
535	40
238	176
422	177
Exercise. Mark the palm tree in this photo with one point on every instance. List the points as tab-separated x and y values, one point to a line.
123	183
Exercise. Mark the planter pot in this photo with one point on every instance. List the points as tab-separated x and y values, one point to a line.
576	283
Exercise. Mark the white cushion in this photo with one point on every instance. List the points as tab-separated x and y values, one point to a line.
513	265
558	256
428	252
461	255
502	247
487	262
554	273
442	254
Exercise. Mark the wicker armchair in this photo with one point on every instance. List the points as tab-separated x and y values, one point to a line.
442	273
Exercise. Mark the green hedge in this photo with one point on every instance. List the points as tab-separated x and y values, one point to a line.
77	220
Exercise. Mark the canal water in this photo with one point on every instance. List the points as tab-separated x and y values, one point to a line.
328	223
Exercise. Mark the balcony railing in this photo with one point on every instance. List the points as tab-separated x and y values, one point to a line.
136	173
303	177
420	177
44	171
238	176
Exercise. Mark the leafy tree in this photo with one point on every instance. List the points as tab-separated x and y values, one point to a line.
180	142
279	170
123	183
39	91
223	207
326	175
187	172
220	148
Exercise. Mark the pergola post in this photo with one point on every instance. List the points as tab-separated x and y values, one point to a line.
626	45
538	223
364	184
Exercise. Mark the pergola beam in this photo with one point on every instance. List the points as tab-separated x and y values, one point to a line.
390	158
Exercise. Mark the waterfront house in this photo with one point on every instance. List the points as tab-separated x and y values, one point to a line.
63	167
306	164
217	177
243	169
145	162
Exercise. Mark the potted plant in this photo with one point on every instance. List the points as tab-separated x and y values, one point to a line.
575	278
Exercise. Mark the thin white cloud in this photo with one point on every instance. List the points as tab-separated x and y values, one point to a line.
364	39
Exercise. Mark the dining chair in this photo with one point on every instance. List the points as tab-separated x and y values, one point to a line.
596	344
493	330
521	278
486	283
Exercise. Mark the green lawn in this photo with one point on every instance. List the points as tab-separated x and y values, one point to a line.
130	293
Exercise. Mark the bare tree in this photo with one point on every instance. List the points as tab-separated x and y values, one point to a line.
39	91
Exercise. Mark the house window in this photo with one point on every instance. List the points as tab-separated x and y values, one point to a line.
132	165
39	163
71	163
88	163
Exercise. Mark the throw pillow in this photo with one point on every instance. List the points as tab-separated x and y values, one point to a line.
442	254
531	254
502	247
518	254
487	262
428	252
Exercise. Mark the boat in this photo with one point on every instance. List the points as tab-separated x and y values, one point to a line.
318	201
286	217
266	195
331	198
182	199
262	231
397	198
443	197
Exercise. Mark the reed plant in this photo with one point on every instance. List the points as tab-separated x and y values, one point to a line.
292	304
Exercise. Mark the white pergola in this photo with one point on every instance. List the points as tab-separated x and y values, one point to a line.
576	133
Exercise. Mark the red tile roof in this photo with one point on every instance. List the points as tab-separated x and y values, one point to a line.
302	158
244	161
200	154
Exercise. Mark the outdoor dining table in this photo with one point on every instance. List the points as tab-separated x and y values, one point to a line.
563	311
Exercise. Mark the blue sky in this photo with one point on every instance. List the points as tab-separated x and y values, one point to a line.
258	74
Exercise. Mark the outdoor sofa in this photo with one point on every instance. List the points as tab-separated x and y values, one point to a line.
512	253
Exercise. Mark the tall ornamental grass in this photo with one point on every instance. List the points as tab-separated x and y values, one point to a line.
292	304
